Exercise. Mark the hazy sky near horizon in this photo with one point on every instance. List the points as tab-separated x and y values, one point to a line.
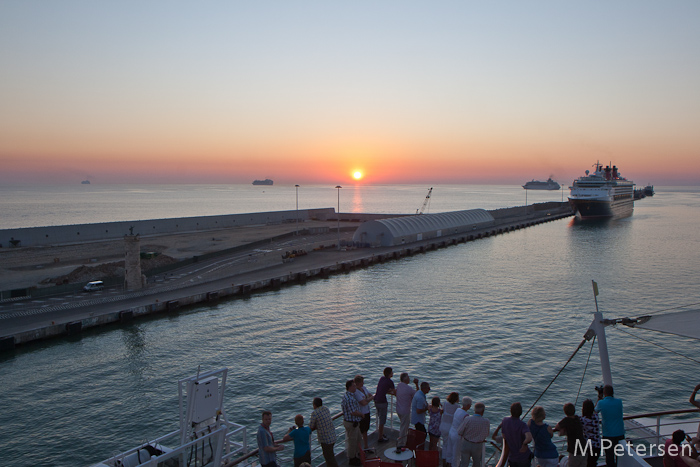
312	91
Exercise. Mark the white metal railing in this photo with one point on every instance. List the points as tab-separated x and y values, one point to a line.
285	457
641	432
652	427
317	452
210	448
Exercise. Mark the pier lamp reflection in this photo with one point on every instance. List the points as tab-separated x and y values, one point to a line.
338	214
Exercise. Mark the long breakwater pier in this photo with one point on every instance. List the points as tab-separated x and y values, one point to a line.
256	267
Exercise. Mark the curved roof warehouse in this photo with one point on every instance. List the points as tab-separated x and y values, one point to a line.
400	230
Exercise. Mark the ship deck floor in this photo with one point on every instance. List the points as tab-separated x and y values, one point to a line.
378	449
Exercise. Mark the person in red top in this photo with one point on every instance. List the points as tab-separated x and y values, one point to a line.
676	455
695	441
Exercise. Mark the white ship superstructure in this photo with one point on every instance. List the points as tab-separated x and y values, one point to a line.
538	185
603	193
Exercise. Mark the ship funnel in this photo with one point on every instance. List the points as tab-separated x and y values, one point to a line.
607	172
615	174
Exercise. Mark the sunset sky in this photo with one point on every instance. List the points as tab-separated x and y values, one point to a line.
313	91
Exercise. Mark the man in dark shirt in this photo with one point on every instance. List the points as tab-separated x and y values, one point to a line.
518	437
384	387
572	427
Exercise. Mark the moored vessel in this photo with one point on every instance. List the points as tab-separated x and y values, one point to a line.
602	194
538	185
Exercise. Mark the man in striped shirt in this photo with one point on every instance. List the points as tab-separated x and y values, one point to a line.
474	431
351	421
322	422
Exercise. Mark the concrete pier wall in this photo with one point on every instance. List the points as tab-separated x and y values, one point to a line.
276	280
81	233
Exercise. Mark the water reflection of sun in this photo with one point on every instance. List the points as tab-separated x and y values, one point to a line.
357	175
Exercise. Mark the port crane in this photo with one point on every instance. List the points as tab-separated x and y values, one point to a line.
425	203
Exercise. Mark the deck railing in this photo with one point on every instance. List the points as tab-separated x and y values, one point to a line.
211	447
285	457
638	431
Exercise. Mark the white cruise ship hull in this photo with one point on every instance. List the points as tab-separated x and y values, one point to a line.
601	208
602	194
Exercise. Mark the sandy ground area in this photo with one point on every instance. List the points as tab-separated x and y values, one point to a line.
28	266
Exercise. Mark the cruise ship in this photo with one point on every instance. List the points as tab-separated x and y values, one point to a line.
602	194
538	185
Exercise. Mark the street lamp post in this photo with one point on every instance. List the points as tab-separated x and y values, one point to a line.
296	187
338	214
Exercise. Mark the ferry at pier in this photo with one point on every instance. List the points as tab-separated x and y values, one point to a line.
538	185
602	194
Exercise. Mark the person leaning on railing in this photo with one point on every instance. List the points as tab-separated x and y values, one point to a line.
267	447
301	435
322	422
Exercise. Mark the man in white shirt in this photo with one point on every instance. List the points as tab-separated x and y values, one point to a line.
404	397
474	431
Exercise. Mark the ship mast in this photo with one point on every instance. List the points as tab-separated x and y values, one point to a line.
598	327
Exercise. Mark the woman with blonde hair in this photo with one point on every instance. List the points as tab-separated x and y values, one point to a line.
545	451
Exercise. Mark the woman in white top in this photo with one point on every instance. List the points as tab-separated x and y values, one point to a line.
455	439
449	410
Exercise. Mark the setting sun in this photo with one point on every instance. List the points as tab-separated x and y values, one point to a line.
357	175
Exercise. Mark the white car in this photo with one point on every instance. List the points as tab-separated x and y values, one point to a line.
93	286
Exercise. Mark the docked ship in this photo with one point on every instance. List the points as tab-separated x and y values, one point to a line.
267	181
602	194
538	185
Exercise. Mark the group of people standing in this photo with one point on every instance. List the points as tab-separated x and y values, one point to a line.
463	433
320	421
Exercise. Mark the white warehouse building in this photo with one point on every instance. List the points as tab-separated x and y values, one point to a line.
408	229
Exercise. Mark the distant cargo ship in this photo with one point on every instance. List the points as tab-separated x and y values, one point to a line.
604	193
537	185
267	181
85	182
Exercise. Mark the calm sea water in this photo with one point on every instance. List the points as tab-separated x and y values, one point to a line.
78	204
493	319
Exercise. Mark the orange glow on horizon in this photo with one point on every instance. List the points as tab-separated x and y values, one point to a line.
335	161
